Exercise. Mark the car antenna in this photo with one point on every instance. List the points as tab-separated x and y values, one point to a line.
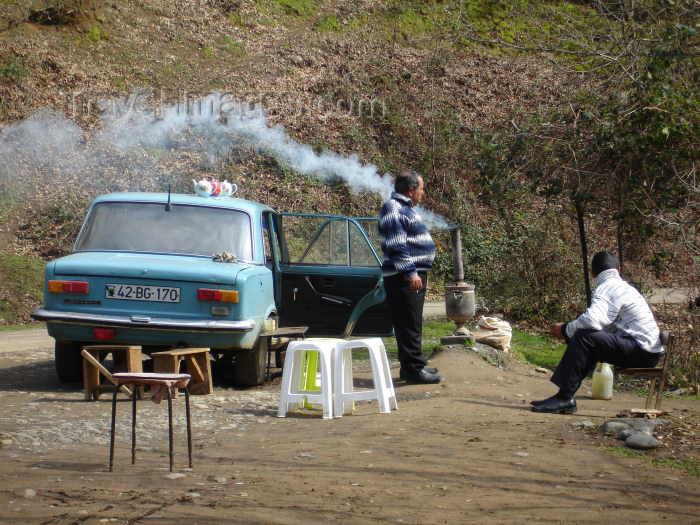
168	207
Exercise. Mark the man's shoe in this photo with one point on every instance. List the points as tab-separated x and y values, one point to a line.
423	377
555	405
550	398
403	375
540	401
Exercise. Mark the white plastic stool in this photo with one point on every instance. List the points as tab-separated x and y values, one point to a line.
343	391
292	392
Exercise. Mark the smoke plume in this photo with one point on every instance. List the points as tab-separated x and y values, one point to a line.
140	148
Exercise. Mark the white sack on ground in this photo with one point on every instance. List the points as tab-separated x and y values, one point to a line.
494	332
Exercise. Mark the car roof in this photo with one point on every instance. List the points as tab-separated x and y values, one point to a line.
179	198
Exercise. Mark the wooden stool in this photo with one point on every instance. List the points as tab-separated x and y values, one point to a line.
161	384
198	366
92	368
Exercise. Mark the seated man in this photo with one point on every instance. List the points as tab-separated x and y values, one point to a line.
617	328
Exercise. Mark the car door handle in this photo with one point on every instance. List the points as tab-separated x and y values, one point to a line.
328	298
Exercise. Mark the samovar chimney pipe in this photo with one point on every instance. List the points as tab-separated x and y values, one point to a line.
456	238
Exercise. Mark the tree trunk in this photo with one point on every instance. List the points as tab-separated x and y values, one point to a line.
584	250
620	219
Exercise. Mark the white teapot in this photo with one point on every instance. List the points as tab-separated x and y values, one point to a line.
202	188
228	189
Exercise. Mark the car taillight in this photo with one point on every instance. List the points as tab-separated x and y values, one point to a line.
219	296
105	334
68	287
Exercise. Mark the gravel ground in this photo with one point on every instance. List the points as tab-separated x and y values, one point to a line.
467	450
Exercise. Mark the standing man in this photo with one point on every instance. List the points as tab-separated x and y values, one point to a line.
617	328
409	252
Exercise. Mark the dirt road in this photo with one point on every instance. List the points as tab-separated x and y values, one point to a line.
466	451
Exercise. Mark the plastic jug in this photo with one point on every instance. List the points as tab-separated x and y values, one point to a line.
602	382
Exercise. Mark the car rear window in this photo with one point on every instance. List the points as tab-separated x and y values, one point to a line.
145	227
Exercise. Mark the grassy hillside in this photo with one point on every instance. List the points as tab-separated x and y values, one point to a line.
398	84
528	120
23	279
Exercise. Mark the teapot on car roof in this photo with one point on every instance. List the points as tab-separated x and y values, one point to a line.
214	188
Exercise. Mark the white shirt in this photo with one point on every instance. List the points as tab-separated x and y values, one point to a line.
617	307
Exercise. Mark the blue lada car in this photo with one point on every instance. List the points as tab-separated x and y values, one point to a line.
166	271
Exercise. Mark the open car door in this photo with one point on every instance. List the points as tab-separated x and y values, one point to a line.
329	276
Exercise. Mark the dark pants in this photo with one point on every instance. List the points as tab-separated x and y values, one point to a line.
406	308
588	347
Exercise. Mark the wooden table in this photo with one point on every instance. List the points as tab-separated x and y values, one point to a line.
286	332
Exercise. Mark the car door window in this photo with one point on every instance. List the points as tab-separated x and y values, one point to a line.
369	227
361	253
331	278
327	240
267	243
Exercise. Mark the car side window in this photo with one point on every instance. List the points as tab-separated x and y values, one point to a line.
361	253
270	238
328	240
266	241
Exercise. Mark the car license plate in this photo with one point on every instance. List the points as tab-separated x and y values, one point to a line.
135	292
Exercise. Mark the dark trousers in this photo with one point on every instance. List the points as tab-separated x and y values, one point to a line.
588	347
406	308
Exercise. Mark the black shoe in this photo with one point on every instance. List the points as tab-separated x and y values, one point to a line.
550	398
403	375
556	405
423	377
540	401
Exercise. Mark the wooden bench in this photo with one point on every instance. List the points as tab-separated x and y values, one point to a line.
283	336
196	361
93	369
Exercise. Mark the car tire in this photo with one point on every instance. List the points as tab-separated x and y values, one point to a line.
249	366
69	362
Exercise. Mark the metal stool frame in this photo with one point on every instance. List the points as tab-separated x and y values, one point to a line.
133	426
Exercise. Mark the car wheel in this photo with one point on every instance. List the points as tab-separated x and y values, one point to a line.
249	365
69	362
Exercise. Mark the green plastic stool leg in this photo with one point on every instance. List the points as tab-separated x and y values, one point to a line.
308	378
